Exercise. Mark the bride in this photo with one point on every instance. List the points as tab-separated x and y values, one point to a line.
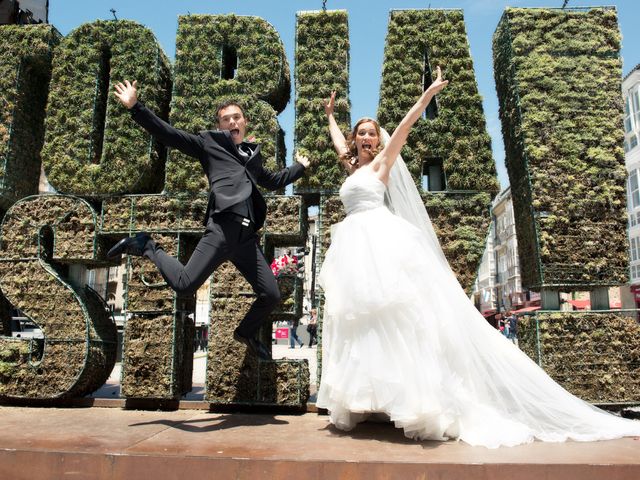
401	338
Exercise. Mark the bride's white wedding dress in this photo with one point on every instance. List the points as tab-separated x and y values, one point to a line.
400	337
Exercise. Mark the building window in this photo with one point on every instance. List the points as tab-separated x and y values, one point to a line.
627	116
634	194
634	249
632	221
636	102
633	142
433	178
229	64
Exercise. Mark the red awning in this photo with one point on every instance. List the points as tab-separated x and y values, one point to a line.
525	309
488	313
580	304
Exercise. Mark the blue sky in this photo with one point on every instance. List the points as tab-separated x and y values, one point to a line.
368	28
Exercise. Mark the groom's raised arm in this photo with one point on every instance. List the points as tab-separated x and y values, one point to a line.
162	131
276	180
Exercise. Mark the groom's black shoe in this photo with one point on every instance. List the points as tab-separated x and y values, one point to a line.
130	246
255	346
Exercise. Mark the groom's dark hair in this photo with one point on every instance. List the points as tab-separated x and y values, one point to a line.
229	103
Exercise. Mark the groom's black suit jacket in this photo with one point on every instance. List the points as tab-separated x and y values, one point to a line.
232	180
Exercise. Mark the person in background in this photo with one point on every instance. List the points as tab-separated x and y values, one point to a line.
312	328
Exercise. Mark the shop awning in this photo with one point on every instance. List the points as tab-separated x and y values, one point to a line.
526	309
580	304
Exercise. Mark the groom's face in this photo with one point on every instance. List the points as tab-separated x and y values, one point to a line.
231	118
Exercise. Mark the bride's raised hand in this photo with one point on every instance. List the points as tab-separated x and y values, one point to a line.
330	104
438	84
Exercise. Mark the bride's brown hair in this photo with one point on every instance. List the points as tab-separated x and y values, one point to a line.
350	157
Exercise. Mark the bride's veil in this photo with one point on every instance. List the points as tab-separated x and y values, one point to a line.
403	199
490	370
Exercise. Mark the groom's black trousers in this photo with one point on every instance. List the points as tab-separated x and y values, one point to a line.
224	239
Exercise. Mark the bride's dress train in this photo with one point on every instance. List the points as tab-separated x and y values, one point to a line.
401	337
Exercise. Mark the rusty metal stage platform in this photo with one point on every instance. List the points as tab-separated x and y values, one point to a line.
112	443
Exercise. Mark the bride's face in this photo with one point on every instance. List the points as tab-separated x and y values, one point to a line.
367	138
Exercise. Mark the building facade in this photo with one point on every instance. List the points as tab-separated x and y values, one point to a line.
24	11
631	96
498	286
484	296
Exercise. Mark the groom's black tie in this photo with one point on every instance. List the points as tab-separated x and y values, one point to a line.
245	152
245	208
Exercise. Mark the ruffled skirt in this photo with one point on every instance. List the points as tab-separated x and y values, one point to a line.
401	338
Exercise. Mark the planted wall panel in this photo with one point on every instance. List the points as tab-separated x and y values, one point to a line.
595	356
92	147
322	65
454	128
77	350
25	72
450	142
558	75
461	222
235	376
158	338
222	57
153	213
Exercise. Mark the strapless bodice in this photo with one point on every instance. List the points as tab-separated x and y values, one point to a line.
362	191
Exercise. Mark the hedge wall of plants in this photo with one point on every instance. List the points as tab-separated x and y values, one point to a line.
558	77
322	65
237	377
78	351
158	341
595	356
25	71
92	147
73	236
205	44
417	42
461	222
286	223
331	212
229	282
157	356
233	375
153	213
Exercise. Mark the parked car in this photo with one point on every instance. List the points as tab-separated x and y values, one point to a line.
23	327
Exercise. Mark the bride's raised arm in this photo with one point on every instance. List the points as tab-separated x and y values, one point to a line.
339	142
391	151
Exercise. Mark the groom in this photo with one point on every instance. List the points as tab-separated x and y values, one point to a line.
235	212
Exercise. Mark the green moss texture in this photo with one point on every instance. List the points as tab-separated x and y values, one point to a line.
595	356
227	57
322	65
25	71
558	80
92	147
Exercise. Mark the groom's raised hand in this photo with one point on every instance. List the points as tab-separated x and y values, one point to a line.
301	159
127	93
